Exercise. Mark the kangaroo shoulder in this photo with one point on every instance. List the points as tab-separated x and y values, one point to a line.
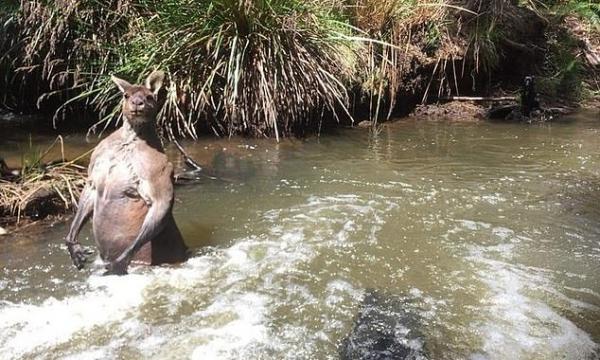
105	149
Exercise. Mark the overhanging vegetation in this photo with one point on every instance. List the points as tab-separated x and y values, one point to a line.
277	67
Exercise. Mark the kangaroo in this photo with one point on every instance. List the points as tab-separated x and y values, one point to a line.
129	190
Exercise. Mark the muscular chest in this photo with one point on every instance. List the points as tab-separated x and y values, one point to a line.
122	171
114	175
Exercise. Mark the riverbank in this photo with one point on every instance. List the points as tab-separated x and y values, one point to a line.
284	68
38	188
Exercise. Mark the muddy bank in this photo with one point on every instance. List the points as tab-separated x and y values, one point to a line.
454	111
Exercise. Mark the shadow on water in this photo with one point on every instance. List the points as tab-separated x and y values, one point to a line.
384	328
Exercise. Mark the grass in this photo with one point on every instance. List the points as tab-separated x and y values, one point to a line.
8	45
261	68
265	68
563	68
574	29
408	34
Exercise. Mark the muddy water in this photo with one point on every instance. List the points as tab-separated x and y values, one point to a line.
489	234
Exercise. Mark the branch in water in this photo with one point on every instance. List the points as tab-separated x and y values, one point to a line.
191	163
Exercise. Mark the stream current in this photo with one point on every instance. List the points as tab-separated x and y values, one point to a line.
481	239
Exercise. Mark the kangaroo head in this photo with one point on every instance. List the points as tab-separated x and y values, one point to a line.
140	104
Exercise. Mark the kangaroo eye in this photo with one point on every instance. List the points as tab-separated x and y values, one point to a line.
126	96
149	97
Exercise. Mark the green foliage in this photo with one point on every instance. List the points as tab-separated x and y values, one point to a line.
563	68
255	67
8	6
483	40
261	66
31	159
8	44
586	9
573	22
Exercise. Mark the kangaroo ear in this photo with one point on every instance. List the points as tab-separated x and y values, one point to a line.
121	84
155	81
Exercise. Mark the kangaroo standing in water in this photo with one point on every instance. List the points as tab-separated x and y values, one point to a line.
129	191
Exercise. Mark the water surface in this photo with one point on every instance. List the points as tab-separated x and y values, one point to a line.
488	233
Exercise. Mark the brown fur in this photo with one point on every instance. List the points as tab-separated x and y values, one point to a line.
130	190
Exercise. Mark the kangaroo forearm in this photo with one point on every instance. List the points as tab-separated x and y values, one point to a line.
152	226
84	210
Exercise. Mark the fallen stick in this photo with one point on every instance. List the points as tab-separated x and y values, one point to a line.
188	160
197	171
479	98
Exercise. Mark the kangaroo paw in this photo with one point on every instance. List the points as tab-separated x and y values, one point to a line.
78	255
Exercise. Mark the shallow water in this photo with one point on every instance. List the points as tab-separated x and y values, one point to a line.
488	233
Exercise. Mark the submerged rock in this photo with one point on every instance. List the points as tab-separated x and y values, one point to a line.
383	329
3	231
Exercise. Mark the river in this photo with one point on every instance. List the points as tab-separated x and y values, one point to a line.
480	240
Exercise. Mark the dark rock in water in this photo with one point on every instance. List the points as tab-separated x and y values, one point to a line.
514	113
42	203
384	329
501	112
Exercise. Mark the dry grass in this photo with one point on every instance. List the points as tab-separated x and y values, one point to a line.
262	68
413	35
42	189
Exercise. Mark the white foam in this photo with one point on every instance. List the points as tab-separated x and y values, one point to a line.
245	329
56	321
473	225
93	354
230	321
522	325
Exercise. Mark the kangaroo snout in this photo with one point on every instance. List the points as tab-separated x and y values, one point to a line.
137	103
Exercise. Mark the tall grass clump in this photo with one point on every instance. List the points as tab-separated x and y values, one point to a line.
483	33
8	46
404	37
256	67
261	67
62	49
